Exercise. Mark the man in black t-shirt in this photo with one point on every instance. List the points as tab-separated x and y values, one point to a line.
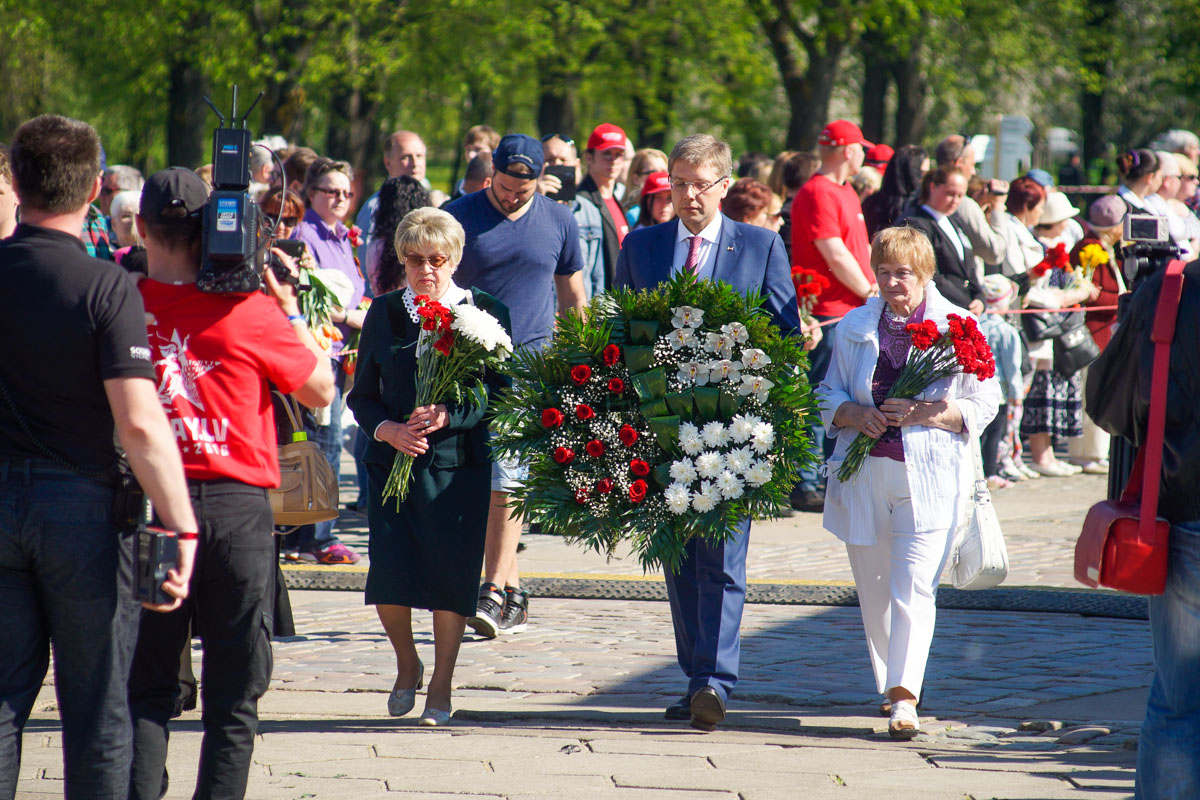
78	367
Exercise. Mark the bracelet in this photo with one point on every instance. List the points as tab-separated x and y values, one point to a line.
294	318
187	537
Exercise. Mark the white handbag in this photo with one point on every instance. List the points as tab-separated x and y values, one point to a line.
979	559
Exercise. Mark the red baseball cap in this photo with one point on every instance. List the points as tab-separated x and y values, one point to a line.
880	155
840	133
656	182
606	137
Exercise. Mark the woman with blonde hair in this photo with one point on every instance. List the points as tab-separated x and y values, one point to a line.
645	163
427	551
898	515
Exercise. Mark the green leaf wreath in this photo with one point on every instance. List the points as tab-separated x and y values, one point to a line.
665	414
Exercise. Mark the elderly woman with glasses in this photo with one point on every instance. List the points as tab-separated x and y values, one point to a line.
427	551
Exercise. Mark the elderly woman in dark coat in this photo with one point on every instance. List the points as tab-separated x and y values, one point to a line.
428	552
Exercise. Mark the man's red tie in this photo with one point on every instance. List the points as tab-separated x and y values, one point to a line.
692	264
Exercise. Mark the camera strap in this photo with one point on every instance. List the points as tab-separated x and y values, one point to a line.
43	448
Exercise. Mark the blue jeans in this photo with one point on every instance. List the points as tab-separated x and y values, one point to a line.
1169	751
818	364
65	577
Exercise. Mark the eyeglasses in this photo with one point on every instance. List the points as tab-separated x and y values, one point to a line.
417	261
645	173
335	193
687	186
291	222
567	139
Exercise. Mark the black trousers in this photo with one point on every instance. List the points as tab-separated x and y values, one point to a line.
993	434
231	594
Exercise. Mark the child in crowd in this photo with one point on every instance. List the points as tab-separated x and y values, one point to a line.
1005	341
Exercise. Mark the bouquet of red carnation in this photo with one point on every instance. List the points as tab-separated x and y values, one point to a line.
809	285
1056	258
455	345
962	348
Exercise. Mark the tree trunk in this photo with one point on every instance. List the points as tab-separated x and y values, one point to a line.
556	108
188	117
912	87
1099	36
808	89
876	78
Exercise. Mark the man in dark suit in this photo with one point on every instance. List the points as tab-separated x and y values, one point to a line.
942	192
709	589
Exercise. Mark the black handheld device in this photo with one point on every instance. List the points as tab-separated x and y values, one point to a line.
157	553
567	176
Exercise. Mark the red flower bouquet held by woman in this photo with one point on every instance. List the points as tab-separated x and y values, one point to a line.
935	355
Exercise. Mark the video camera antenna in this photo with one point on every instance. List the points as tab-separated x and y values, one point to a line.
233	120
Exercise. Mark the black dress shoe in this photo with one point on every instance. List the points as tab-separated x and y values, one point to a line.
681	709
808	500
708	709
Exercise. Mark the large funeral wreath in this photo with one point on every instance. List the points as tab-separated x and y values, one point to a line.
660	416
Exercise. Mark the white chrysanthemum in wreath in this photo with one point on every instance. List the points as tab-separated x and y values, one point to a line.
741	428
677	498
764	438
714	434
707	498
759	473
690	439
729	485
683	471
739	459
709	464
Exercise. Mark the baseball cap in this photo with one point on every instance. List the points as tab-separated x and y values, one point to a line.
1057	208
840	133
516	150
173	195
1040	177
879	155
605	137
1107	212
656	182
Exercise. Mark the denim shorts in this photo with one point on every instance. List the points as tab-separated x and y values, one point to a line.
508	475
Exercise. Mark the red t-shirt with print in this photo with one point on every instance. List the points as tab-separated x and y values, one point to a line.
213	355
824	210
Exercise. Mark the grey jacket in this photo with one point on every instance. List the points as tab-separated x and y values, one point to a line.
987	242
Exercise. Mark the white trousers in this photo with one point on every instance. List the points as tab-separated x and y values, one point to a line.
1093	444
896	578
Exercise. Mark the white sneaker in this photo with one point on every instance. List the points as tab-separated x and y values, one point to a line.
1027	471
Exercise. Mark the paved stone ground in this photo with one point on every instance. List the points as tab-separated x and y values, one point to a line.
572	707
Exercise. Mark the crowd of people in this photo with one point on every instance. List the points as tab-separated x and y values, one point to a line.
536	227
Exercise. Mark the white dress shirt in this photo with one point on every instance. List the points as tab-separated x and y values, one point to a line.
711	234
948	228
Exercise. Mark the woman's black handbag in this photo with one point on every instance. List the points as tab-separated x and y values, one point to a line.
1041	325
1074	347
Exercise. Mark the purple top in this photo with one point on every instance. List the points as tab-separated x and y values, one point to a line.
894	344
331	249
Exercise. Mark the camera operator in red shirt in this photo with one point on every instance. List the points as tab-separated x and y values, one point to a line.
213	356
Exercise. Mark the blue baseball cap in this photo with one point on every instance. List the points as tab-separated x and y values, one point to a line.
519	156
1040	177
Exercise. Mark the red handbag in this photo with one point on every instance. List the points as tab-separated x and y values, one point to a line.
1123	544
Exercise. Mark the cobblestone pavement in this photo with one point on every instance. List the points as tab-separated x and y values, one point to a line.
1017	705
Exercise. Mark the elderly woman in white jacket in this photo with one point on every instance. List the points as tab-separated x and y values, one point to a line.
898	515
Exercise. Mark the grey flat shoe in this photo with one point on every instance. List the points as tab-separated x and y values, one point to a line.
401	701
435	717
